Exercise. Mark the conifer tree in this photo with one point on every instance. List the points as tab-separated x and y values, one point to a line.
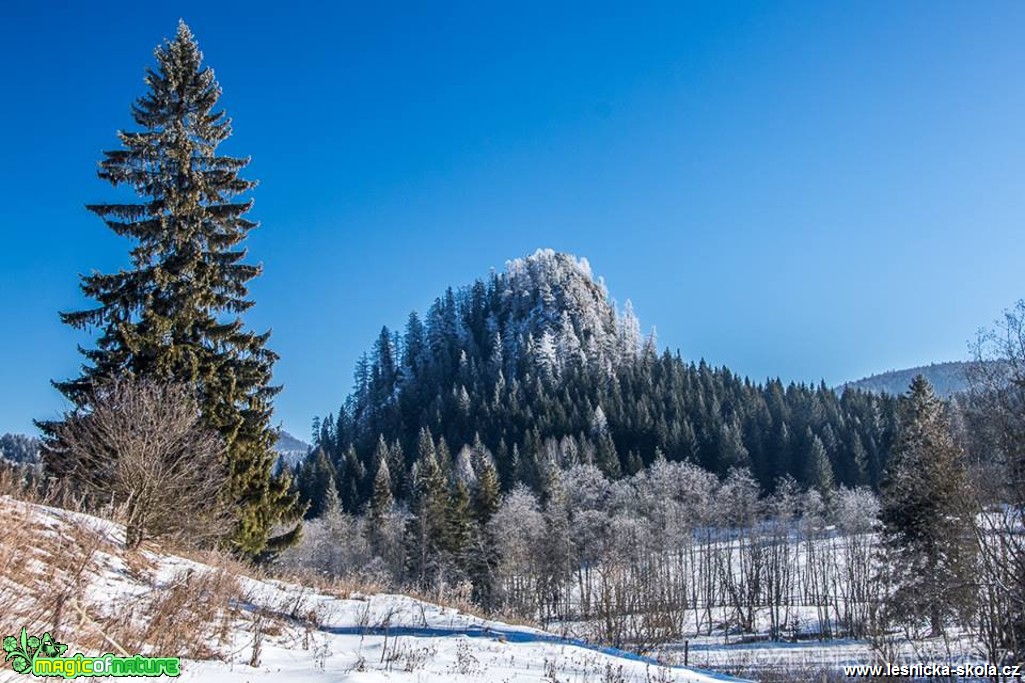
332	503
471	368
353	474
380	504
820	471
458	524
483	557
315	477
425	528
381	501
487	494
928	529
175	314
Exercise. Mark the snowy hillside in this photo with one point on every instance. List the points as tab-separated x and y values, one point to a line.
65	572
290	450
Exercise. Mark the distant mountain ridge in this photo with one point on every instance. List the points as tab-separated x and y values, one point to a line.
947	379
19	448
290	449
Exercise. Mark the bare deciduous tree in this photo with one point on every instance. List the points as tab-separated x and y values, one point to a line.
142	449
997	411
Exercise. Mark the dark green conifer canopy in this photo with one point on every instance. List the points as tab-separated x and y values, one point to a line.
175	312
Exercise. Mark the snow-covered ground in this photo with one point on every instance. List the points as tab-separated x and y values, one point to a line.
277	630
398	638
711	639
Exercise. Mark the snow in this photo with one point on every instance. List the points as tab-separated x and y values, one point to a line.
320	637
398	638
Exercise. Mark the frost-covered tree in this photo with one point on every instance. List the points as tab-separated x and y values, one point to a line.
20	448
518	527
175	314
463	467
855	511
996	415
546	355
629	333
493	362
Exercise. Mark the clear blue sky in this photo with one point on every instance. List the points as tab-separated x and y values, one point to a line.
809	190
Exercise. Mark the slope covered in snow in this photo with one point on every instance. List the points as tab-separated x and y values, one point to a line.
66	573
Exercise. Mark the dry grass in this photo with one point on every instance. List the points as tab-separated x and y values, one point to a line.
14	484
193	616
46	570
20	575
50	559
342	587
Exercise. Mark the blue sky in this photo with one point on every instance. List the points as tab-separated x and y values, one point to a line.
815	190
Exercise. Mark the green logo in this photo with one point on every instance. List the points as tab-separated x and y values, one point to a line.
22	652
45	657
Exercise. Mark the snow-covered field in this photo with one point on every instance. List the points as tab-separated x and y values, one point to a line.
812	617
274	630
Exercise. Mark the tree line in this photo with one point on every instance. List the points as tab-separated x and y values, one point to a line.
674	550
533	371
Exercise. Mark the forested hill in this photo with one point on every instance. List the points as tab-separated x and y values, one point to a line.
947	379
534	367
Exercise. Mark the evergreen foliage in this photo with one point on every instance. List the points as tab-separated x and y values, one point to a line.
426	527
928	527
175	314
536	366
487	494
316	481
19	448
381	502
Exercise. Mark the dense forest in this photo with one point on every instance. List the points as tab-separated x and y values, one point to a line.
535	366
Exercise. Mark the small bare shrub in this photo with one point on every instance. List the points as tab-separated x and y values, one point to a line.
414	658
254	658
466	663
141	448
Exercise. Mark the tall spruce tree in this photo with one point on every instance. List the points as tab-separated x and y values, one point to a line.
380	505
928	532
425	527
175	313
